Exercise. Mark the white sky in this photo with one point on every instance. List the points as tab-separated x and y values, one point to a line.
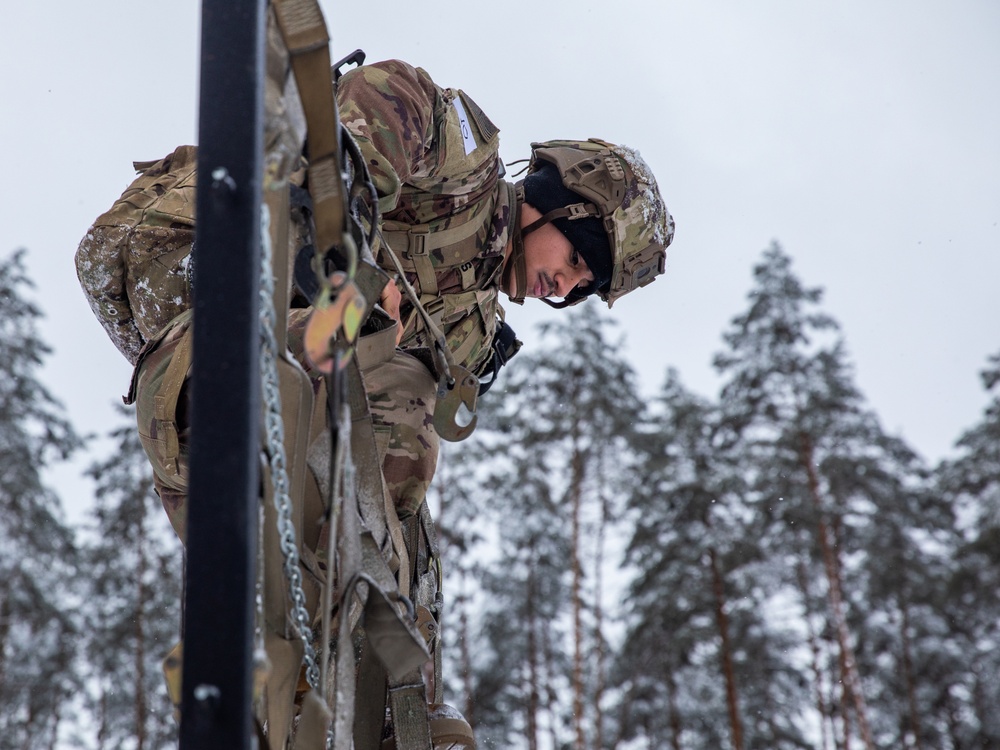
864	136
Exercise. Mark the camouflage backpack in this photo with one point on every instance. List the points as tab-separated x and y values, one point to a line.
134	263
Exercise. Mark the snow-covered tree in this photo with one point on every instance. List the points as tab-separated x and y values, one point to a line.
702	665
847	505
38	556
133	607
558	444
971	483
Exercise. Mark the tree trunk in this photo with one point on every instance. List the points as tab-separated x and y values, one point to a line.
852	682
466	659
601	657
817	670
911	688
675	714
722	620
845	699
5	614
140	640
533	677
551	699
576	502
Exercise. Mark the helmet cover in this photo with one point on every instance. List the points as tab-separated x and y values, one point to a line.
623	193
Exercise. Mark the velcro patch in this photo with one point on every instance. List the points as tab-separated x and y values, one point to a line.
487	130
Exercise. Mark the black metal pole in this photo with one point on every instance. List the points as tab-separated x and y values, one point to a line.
225	383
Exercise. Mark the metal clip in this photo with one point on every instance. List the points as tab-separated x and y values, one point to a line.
457	389
337	313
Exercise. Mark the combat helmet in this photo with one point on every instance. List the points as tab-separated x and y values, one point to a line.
617	188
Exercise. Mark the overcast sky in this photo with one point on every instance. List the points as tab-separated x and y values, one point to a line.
864	136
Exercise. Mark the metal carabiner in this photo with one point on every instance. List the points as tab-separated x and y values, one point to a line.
457	389
338	312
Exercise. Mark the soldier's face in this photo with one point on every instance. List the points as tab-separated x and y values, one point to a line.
552	266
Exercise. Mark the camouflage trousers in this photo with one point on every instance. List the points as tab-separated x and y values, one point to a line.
401	395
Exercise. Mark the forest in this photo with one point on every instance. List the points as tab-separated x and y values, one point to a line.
767	569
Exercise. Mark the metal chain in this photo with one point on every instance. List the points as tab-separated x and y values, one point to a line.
275	436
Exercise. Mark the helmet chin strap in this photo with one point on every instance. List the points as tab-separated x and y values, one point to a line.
516	267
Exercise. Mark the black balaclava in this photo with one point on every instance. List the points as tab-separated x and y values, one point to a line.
544	190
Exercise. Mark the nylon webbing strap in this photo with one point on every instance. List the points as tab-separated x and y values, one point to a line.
345	550
284	647
306	37
365	449
434	560
369	716
408	700
416	243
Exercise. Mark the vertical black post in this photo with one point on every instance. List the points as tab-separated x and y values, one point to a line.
225	383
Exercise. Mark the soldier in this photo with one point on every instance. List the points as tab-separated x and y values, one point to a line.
587	219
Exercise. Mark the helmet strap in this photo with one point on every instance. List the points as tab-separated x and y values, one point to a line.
516	267
569	301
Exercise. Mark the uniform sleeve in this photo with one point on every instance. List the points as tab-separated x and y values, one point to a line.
101	270
389	109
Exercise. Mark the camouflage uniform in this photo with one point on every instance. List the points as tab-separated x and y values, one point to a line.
427	174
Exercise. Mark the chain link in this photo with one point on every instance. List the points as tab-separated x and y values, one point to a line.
275	437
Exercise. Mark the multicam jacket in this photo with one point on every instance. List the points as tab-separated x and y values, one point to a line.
433	157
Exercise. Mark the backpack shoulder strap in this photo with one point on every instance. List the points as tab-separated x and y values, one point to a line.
415	242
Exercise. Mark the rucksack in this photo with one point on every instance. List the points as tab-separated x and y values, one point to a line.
134	263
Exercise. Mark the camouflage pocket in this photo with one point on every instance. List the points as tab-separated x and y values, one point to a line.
160	406
159	275
468	321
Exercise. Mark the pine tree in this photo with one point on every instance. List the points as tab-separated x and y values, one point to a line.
845	503
699	642
456	500
526	591
133	609
38	556
971	483
558	443
776	399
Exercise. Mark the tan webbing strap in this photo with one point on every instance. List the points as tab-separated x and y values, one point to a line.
364	449
284	648
410	725
314	721
308	42
394	640
369	716
306	37
434	561
345	551
419	254
165	401
408	696
416	243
